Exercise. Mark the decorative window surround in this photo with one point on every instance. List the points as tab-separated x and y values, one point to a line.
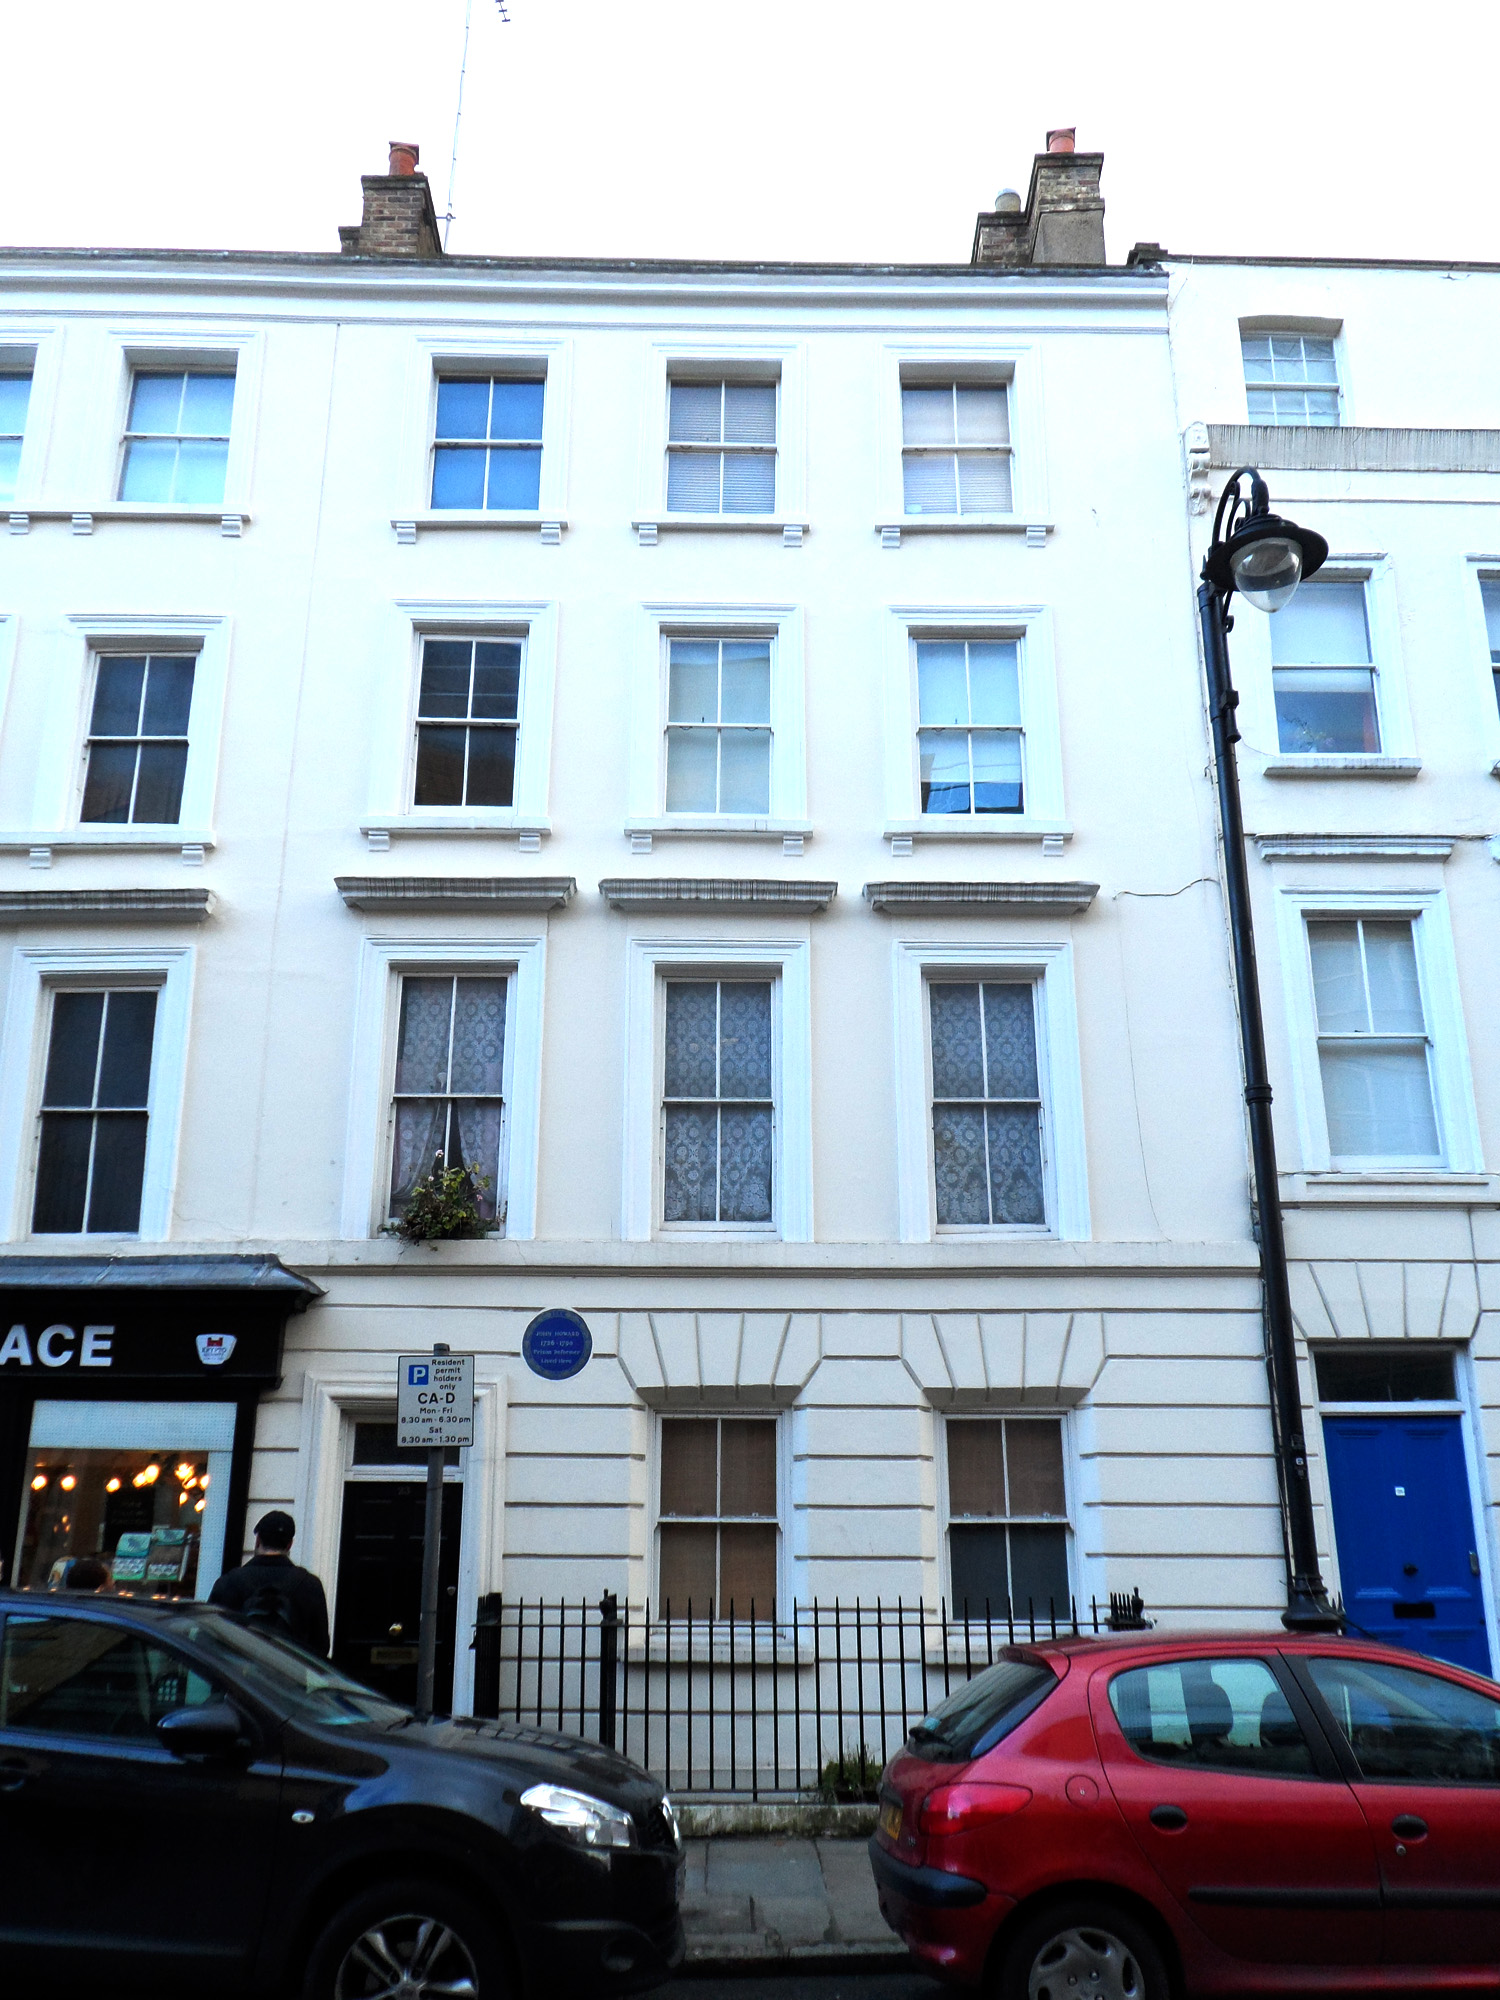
663	892
1058	1065
377	1015
1329	766
782	362
1030	626
23	1049
1452	1081
549	359
1018	365
394	893
104	906
1054	899
394	696
59	769
1417	1189
176	346
646	785
549	529
1354	846
650	960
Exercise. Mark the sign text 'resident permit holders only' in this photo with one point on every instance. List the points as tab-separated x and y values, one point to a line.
434	1401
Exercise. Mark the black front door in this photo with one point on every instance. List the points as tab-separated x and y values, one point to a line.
380	1587
118	1859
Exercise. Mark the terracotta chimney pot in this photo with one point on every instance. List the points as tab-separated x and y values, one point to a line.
404	156
1059	140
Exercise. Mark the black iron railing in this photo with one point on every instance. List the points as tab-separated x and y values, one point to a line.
817	1699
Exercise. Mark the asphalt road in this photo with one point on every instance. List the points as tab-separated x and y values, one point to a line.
809	1986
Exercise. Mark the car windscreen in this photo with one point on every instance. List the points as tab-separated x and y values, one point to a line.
287	1679
976	1716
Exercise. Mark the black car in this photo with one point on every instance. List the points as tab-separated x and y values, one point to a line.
186	1801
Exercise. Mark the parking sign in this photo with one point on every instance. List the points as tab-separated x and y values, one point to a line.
434	1400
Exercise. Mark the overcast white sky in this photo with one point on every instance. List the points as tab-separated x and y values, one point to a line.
838	129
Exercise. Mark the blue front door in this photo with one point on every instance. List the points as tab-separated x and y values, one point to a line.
1404	1523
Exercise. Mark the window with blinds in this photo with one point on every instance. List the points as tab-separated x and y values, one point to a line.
721	447
718	1102
986	1104
955	448
718	747
91	1157
1290	378
717	1523
1374	1049
1007	1517
448	1105
1323	671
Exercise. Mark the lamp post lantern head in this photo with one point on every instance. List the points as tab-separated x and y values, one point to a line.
1262	556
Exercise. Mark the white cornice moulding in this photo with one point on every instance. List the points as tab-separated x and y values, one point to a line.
109	839
1321	766
549	527
1058	899
103	906
395	893
643	892
1352	846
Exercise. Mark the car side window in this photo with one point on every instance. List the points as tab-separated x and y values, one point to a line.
1218	1715
1403	1723
86	1677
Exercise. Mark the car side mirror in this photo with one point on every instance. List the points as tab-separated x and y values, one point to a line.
212	1730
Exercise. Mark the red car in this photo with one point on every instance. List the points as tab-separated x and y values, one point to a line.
1131	1819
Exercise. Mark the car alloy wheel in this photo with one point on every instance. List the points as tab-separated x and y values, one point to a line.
407	1957
1085	1961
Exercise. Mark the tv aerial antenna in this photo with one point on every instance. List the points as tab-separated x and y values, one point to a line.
463	70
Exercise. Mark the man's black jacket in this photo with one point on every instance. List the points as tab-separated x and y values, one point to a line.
273	1592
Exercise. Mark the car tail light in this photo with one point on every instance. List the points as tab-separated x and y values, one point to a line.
957	1808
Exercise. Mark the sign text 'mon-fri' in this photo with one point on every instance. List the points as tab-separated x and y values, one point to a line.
434	1400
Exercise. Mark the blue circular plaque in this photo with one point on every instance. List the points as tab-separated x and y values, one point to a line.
557	1344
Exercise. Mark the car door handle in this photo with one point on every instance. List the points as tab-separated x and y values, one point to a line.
1171	1819
14	1772
1406	1826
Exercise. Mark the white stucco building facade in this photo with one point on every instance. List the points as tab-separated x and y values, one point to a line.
734	765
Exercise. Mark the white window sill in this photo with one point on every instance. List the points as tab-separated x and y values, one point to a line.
191	842
792	833
1316	766
790	531
1388	1187
531	520
977	826
229	519
500	825
891	531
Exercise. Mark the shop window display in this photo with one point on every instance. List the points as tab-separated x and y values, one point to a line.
139	1512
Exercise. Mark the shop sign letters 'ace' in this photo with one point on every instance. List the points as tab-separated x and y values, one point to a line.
434	1400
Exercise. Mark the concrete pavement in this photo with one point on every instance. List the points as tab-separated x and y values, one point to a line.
774	1900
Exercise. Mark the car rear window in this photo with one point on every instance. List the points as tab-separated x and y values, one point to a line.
976	1716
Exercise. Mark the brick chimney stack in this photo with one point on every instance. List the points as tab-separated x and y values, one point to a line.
399	219
1063	219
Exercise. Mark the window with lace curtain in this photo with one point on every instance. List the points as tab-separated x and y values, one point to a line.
449	1101
721	447
987	1111
718	1103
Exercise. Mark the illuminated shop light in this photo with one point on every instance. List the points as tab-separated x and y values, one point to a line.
111	1485
68	1481
39	1483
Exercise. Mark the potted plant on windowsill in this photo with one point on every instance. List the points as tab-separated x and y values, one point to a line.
443	1206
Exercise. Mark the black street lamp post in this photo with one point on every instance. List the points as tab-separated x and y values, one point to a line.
1264	558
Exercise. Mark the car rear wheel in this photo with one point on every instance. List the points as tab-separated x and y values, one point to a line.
1073	1950
408	1941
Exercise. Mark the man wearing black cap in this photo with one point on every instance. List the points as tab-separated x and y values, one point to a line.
272	1593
